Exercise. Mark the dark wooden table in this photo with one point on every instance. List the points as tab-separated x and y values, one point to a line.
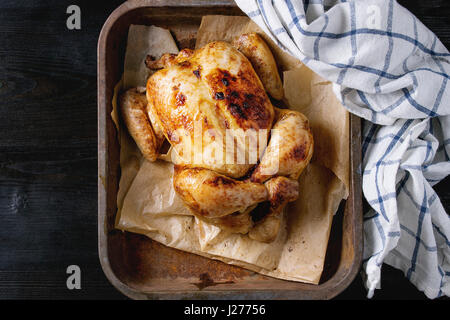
48	150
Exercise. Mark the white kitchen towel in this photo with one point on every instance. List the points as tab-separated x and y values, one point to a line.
389	69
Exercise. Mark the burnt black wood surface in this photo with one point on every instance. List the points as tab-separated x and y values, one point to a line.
48	150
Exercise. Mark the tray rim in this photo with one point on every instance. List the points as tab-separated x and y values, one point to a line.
331	287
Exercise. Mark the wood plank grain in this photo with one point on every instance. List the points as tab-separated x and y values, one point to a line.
48	150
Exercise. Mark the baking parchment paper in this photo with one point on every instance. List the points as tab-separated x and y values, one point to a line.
147	203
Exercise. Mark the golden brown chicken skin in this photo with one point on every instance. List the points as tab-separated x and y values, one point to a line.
215	89
257	51
133	105
215	94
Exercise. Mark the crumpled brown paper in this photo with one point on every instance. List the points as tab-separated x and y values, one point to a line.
147	203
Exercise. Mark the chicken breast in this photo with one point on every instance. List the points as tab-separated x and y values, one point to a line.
261	58
290	147
134	113
202	99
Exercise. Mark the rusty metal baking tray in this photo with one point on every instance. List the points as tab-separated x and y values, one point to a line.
144	269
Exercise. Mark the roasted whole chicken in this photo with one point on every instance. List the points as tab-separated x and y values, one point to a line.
238	158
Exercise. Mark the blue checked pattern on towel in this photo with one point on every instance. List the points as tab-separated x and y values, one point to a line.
389	69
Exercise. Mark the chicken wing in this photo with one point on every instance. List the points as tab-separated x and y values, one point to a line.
262	60
168	59
133	104
213	93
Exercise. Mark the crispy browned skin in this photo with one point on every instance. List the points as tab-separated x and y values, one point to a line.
281	191
290	148
168	59
133	105
212	195
216	88
259	54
